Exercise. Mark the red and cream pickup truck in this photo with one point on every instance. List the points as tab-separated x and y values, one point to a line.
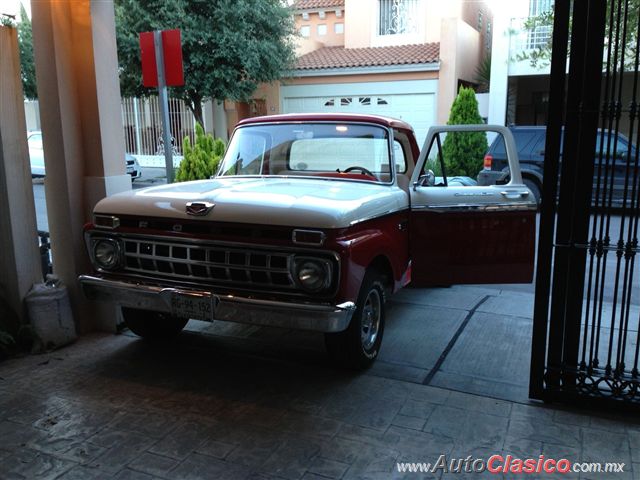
312	221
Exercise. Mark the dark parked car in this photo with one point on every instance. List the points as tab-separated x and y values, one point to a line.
530	142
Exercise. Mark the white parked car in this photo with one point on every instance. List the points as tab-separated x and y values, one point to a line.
132	166
36	154
36	157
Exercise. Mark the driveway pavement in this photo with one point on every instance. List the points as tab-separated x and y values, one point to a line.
236	402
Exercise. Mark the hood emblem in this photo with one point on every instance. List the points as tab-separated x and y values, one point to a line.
199	209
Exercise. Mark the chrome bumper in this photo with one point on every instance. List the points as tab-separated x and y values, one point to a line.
300	316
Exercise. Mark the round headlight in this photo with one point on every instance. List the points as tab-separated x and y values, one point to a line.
312	275
106	254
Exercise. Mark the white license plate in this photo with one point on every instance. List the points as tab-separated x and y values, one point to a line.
193	306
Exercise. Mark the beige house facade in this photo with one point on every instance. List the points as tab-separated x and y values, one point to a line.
401	58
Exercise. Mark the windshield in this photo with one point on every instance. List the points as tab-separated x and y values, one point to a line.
339	150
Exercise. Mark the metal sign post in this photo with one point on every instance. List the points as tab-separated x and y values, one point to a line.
164	104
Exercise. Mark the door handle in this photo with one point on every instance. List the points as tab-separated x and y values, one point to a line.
520	194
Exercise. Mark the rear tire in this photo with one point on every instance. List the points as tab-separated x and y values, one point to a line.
152	325
358	346
535	189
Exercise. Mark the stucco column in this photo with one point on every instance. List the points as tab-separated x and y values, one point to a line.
79	94
448	76
19	261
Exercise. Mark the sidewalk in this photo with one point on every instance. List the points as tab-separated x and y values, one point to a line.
235	402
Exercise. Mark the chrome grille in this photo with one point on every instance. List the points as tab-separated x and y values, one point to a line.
210	263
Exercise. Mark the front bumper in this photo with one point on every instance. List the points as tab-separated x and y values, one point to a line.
134	173
230	308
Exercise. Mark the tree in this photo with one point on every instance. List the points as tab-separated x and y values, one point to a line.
228	46
27	64
483	74
200	161
464	151
25	48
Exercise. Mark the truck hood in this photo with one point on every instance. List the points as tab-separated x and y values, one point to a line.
298	202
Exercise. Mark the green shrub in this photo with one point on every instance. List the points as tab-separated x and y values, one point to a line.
202	159
464	151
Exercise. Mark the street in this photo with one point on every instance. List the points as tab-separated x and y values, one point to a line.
150	177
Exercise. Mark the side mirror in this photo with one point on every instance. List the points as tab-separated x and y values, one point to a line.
427	179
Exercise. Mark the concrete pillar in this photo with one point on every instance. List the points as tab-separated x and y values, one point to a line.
83	139
448	76
20	261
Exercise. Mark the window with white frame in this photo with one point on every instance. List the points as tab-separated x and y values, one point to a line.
305	31
538	7
338	28
539	35
397	17
322	29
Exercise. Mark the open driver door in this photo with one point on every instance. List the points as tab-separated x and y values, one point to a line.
462	233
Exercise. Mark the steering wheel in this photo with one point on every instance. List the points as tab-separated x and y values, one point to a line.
362	169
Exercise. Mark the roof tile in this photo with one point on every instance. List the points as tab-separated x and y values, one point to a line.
315	4
340	57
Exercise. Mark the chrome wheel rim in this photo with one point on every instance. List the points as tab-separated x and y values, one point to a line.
371	312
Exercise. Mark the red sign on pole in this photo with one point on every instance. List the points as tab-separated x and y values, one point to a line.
172	49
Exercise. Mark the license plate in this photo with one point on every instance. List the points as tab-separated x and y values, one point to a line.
197	307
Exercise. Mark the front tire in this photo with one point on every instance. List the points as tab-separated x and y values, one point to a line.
153	325
358	346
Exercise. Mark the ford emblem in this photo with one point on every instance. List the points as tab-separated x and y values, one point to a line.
199	209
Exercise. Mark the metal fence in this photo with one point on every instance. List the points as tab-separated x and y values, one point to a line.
141	119
586	340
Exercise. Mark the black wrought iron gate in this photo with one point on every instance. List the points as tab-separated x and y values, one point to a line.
587	311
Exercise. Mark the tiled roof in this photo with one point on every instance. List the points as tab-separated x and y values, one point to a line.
340	57
315	4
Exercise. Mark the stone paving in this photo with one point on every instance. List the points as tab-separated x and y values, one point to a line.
113	406
233	402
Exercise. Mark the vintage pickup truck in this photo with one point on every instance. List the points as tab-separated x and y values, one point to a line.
312	221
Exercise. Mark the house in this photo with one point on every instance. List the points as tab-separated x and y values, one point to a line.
519	90
401	58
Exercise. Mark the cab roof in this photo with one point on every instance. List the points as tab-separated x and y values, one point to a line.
328	117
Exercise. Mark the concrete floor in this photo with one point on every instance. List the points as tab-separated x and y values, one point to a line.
234	402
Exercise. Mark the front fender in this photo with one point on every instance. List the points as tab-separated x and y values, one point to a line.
360	245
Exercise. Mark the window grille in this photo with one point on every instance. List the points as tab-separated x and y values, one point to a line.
539	35
398	17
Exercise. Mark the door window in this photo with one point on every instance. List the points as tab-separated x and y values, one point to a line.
609	143
454	159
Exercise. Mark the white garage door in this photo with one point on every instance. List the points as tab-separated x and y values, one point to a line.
393	99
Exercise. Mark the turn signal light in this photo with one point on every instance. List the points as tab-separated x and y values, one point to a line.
487	161
106	221
308	237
